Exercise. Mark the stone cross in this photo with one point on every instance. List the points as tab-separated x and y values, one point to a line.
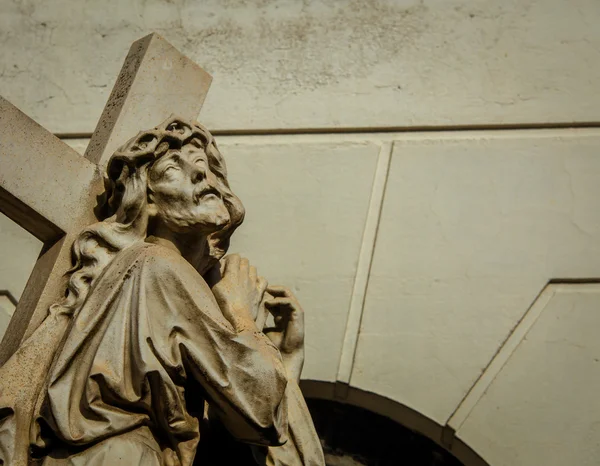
50	190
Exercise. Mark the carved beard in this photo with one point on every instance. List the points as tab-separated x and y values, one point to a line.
203	217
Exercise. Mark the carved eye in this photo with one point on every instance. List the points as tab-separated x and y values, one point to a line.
144	142
169	169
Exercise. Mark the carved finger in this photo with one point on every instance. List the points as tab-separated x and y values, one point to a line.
280	291
252	273
290	304
279	323
244	266
275	335
279	305
261	317
232	261
262	285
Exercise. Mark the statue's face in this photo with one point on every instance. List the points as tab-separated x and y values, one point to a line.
184	192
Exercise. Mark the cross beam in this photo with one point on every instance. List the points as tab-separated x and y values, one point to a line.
42	180
50	190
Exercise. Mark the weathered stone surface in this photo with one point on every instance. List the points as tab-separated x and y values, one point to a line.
542	408
317	64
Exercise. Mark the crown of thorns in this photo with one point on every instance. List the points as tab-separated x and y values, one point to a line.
145	148
150	145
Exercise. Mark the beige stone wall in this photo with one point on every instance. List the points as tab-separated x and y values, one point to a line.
18	253
316	63
438	269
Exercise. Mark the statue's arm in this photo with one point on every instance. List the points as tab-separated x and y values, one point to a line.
238	367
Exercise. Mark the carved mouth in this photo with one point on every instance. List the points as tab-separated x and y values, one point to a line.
206	193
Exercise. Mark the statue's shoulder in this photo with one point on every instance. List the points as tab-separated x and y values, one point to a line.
157	258
164	267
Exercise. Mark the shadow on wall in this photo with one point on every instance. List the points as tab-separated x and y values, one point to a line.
361	428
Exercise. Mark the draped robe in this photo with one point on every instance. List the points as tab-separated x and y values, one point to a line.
148	337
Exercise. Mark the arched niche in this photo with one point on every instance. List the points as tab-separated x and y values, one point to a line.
409	421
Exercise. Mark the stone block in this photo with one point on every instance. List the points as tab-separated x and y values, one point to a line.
317	64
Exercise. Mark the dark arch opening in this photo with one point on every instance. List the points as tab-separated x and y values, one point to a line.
413	421
353	436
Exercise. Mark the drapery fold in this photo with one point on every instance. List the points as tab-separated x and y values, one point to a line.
119	374
149	324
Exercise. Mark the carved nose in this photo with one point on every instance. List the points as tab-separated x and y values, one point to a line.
198	175
211	179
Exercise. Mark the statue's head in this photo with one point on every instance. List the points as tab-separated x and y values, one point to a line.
174	177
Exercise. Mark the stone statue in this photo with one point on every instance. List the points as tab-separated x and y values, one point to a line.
165	359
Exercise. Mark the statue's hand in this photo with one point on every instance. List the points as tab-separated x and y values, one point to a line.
288	332
239	292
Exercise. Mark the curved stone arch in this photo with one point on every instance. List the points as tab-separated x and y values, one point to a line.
398	412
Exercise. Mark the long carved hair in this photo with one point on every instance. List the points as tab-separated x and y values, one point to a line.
123	213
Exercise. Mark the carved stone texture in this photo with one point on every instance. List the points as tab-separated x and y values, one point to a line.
159	348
